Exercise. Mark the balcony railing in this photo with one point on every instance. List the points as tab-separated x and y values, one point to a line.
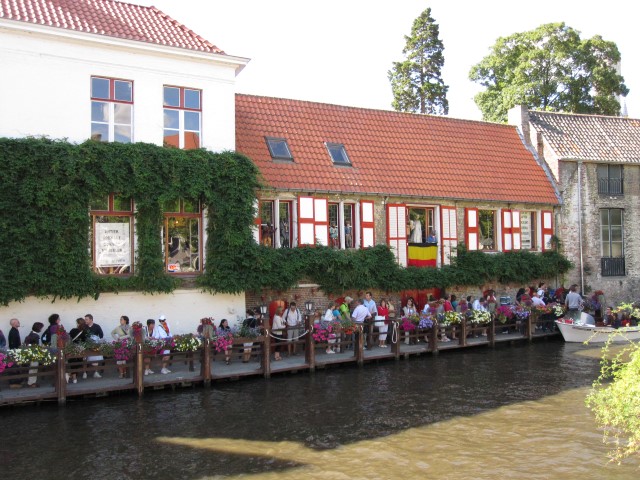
612	266
610	186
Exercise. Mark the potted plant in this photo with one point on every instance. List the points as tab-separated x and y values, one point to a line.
5	362
31	353
186	343
504	313
136	331
480	317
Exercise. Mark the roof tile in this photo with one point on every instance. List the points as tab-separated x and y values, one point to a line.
107	17
391	153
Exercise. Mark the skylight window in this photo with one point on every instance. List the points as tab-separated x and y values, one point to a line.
279	148
338	153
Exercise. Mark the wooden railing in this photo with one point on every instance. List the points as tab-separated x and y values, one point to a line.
248	357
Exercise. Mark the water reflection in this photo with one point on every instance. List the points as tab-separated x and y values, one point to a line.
514	441
511	412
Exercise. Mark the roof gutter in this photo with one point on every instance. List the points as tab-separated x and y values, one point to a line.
238	63
579	171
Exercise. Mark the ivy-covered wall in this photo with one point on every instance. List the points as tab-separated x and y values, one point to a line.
45	191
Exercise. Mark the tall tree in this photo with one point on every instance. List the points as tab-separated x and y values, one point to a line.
417	82
550	68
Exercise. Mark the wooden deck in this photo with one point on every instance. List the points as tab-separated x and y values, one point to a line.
206	365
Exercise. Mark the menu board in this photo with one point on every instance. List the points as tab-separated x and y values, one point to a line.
113	244
525	229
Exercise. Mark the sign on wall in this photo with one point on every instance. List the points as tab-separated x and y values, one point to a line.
113	245
525	225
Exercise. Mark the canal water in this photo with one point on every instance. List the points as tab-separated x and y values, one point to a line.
511	412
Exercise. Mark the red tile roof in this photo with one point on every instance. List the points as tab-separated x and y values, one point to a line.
391	153
107	17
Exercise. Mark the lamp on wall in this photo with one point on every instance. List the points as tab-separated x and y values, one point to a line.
308	305
264	308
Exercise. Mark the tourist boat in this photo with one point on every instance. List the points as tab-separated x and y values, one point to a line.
585	330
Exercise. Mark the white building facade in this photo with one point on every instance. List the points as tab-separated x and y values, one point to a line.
110	71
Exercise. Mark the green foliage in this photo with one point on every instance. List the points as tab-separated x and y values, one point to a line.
417	81
46	188
616	403
44	202
550	68
339	270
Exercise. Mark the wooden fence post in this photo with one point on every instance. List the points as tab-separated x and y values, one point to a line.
266	354
394	327
61	380
139	379
205	369
463	332
360	346
433	338
530	328
310	349
491	331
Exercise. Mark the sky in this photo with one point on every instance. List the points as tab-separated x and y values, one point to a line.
340	51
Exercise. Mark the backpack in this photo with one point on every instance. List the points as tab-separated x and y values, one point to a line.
46	336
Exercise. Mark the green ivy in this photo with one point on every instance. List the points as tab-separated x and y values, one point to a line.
47	185
339	270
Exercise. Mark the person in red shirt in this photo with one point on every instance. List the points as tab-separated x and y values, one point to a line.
446	305
383	311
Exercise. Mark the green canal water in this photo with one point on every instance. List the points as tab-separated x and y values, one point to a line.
511	412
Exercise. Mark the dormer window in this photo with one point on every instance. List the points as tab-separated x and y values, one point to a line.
338	153
279	148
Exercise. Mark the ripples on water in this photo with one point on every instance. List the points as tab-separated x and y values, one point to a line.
514	412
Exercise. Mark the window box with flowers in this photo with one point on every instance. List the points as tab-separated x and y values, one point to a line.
31	353
186	343
327	334
480	317
5	362
137	331
409	325
504	313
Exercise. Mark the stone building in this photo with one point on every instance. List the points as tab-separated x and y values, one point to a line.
596	163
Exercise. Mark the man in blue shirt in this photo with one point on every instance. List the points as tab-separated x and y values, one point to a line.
370	303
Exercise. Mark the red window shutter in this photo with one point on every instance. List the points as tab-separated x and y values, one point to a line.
516	230
397	232
367	224
547	229
313	221
449	233
471	228
507	233
321	220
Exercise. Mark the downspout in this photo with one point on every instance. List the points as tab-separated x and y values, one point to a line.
580	225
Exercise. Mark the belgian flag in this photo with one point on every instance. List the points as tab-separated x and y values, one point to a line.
422	254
